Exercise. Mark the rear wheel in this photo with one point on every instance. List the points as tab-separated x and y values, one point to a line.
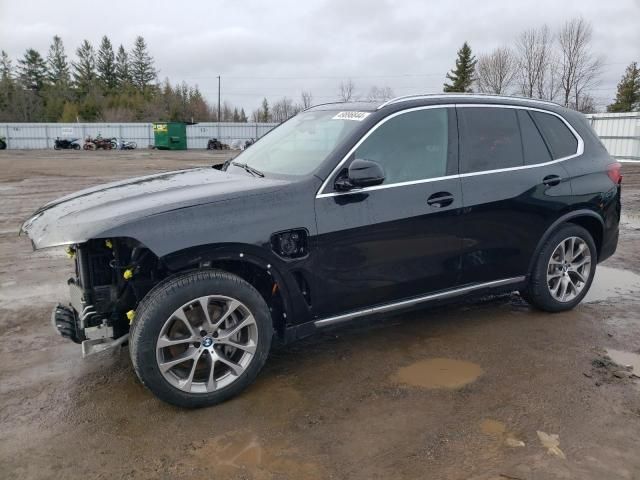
200	338
564	270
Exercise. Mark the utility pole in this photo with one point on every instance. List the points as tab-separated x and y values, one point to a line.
219	107
219	99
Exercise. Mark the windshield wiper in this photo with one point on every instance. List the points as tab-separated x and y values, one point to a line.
249	169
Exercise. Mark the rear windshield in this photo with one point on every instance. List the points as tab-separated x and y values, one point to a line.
301	144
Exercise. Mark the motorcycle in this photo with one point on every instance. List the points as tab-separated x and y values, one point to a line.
215	144
100	143
3	143
105	143
128	145
66	144
89	144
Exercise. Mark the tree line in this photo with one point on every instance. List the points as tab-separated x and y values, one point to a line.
121	85
103	84
558	66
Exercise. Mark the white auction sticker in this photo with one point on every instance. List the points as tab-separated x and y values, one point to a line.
357	116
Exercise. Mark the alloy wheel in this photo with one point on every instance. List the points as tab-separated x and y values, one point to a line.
207	344
568	269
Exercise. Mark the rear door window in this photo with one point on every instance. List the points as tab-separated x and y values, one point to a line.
534	149
561	141
489	139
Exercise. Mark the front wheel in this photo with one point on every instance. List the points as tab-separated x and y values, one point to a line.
564	270
200	338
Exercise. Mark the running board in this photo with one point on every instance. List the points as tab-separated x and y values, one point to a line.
325	322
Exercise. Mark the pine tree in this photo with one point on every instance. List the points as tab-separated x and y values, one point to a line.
106	65
123	73
463	75
265	114
32	70
143	72
243	116
628	94
84	69
236	115
6	69
57	62
6	86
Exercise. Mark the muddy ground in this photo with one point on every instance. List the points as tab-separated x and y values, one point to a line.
484	390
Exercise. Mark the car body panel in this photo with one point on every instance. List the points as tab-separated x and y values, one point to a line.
386	244
365	247
114	208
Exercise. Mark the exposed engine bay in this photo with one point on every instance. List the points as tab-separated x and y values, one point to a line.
111	277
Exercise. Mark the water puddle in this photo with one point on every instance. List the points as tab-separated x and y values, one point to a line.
552	443
236	454
439	373
498	430
493	427
626	359
612	282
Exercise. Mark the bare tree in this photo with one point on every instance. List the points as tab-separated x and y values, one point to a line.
549	83
579	69
283	109
496	72
587	104
379	94
307	100
534	49
346	91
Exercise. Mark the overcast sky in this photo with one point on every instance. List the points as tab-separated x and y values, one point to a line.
276	48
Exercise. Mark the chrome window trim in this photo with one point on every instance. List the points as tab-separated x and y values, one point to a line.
579	151
325	322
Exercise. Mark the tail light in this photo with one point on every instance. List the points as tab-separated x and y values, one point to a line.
614	172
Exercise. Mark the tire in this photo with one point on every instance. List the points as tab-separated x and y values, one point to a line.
3	145
76	146
56	147
545	288
189	384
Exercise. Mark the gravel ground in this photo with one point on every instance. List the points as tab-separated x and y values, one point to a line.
482	390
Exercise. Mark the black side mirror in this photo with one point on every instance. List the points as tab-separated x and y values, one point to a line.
361	173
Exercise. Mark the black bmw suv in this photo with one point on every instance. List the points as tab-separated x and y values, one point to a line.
344	211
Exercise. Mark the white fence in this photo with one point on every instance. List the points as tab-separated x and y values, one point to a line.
620	133
43	135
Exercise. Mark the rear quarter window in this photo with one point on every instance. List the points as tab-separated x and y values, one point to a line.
559	138
534	149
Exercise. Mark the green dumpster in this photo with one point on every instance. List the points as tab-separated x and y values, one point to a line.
170	135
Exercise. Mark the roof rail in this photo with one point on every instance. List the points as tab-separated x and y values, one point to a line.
406	98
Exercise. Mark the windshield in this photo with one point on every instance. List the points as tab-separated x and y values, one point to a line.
298	146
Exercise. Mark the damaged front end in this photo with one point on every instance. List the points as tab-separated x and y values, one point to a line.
111	277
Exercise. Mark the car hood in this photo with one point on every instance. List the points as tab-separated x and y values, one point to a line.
84	215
